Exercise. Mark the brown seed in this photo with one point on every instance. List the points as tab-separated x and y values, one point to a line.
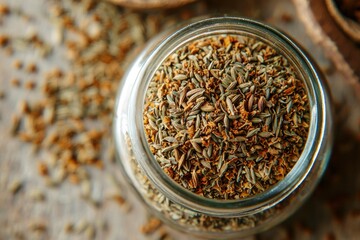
4	40
196	146
81	226
38	226
226	122
119	199
286	17
256	120
43	169
207	108
252	132
238	177
261	103
223	169
69	227
2	94
57	10
205	163
15	186
180	77
86	189
238	139
194	178
37	195
15	82
181	161
31	68
4	10
151	226
17	64
265	134
15	125
230	106
251	102
90	231
30	85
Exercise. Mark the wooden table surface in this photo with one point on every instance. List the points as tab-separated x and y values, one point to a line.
333	212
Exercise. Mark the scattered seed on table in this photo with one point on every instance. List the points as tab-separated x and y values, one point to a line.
151	226
31	68
71	97
69	227
17	64
43	169
15	186
90	231
38	226
2	94
118	199
24	107
37	195
4	40
15	125
4	10
85	190
81	225
286	18
30	84
15	82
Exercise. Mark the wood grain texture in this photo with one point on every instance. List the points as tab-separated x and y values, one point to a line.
333	210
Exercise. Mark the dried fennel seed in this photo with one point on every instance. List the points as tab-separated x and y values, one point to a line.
152	225
17	64
4	40
2	94
15	186
188	218
37	195
31	68
226	117
69	227
38	226
4	10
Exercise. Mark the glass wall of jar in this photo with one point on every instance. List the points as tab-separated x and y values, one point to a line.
191	213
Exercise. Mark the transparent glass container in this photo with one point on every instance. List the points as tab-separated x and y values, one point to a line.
184	210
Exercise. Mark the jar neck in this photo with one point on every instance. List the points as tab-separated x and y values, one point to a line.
155	54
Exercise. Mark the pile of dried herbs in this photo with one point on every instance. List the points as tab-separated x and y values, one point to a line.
226	117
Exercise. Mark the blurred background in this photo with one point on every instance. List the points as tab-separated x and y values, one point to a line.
60	66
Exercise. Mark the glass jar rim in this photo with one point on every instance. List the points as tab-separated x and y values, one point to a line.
315	89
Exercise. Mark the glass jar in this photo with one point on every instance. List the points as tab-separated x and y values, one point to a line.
184	210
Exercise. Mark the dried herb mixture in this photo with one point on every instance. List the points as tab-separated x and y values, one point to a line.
226	116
